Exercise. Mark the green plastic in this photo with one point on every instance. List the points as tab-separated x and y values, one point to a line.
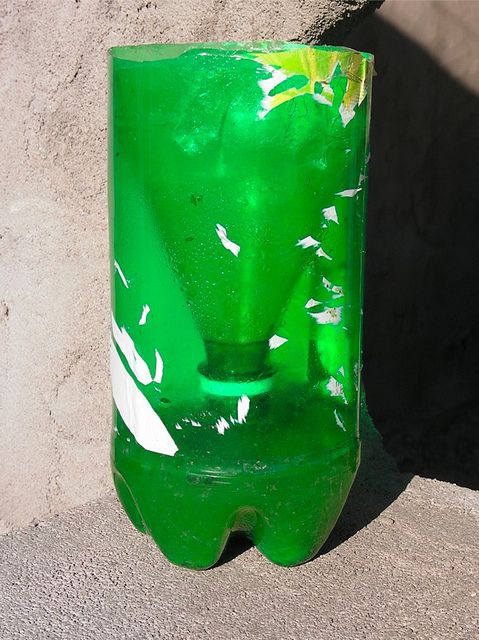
237	205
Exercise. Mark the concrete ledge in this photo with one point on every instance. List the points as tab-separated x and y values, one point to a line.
402	563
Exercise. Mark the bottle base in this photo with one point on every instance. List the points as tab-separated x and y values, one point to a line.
286	510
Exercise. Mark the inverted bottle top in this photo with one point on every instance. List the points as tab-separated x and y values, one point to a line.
156	52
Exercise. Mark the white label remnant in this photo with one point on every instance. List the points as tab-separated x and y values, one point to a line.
137	364
267	85
226	242
349	193
331	214
194	423
276	341
326	96
321	253
127	347
121	274
243	408
339	422
159	368
221	425
328	316
144	314
336	389
346	114
319	97
335	289
138	415
307	242
311	303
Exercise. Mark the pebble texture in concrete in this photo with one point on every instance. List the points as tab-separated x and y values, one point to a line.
402	563
54	290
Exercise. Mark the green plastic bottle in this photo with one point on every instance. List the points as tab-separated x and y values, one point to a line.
237	204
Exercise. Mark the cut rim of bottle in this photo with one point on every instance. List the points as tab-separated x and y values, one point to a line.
159	51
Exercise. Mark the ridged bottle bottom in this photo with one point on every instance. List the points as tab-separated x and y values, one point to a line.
190	509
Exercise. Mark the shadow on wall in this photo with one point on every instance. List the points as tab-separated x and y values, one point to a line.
421	334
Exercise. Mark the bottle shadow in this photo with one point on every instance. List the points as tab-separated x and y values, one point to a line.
377	485
421	316
238	543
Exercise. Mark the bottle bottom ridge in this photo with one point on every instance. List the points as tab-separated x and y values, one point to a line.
191	505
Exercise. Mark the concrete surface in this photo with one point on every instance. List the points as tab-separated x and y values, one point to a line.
402	563
54	291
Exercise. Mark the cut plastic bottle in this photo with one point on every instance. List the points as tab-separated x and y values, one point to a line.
238	178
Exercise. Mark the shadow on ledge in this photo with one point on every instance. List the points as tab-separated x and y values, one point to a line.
377	485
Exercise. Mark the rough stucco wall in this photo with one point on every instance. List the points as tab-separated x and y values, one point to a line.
54	292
